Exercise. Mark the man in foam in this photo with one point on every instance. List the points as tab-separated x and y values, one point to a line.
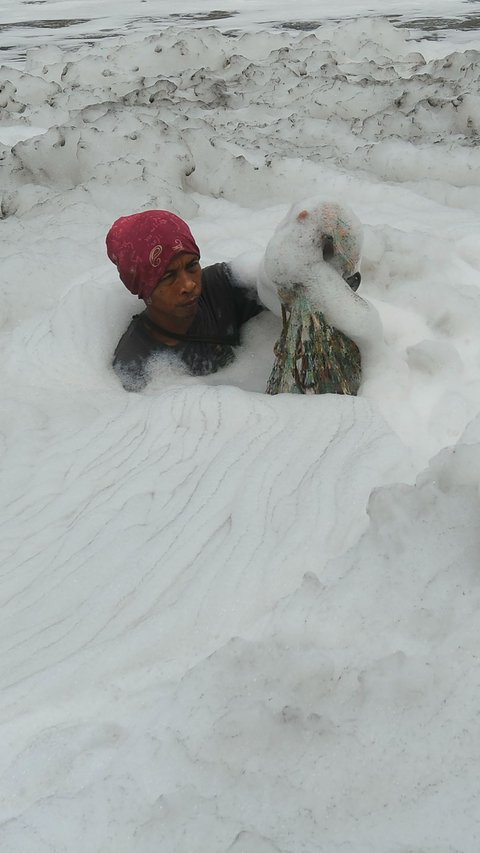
191	312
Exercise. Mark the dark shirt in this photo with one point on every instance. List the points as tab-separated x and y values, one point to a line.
223	308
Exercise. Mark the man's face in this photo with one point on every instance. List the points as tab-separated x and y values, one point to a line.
178	291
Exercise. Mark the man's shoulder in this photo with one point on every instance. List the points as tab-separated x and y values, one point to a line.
134	342
217	276
228	296
132	354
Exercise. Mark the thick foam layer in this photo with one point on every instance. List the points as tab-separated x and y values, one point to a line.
227	617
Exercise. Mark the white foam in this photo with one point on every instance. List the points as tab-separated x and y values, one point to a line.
226	617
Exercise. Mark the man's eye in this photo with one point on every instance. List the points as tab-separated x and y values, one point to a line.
193	265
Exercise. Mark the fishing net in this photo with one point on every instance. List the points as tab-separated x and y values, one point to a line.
311	356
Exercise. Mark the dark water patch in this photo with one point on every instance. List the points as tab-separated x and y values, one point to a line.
467	22
46	24
308	26
177	18
214	15
303	26
432	27
90	39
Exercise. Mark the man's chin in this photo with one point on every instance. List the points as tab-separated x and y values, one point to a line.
188	310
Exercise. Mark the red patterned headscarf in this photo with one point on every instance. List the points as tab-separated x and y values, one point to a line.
143	244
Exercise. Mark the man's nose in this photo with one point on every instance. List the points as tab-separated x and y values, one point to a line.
187	281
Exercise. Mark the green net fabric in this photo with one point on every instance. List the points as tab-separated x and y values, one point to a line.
311	357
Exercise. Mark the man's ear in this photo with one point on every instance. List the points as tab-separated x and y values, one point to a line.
327	246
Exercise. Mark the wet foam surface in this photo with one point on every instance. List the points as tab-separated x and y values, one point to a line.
90	21
232	622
